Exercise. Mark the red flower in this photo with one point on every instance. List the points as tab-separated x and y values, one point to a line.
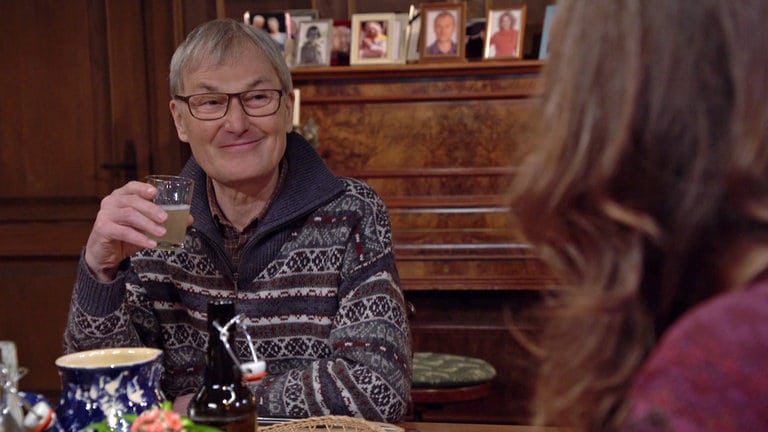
157	420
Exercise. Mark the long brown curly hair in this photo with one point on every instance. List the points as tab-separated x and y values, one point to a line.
647	192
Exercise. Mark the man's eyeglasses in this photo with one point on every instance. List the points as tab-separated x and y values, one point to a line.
213	106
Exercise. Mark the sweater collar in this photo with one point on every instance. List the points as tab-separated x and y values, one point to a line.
308	184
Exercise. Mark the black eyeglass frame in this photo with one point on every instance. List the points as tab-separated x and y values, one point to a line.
185	99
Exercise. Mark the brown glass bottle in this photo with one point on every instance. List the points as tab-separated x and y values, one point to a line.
223	401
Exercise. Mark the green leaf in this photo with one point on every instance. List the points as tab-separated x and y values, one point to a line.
98	427
202	428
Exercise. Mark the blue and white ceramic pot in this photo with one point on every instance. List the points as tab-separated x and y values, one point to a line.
106	384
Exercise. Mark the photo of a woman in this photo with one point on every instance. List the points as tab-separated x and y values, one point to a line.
314	43
505	28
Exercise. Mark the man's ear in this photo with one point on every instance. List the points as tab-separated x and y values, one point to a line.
181	129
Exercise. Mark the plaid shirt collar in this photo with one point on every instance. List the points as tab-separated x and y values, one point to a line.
234	241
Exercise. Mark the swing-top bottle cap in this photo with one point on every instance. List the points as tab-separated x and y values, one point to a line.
253	370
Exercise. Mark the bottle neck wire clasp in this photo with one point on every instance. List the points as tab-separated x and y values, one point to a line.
224	331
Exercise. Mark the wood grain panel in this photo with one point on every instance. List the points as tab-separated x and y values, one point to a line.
452	184
422	134
448	218
52	63
473	274
55	239
33	312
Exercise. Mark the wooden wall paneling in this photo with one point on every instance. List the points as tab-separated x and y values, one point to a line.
195	12
129	93
333	9
33	313
327	9
166	154
55	90
236	8
54	135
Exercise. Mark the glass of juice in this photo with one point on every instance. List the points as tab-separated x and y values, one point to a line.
174	195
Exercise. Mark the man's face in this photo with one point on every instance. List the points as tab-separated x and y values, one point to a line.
236	150
444	27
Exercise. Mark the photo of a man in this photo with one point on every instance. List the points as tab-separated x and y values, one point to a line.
444	30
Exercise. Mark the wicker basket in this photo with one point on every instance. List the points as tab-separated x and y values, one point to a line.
331	424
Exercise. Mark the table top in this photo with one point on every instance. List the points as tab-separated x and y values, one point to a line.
465	427
339	423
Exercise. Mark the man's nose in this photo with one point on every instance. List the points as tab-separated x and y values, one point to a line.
236	118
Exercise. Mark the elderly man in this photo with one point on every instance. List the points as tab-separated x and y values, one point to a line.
444	26
305	255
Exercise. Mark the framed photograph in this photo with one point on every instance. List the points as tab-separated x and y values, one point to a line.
372	38
504	33
549	15
314	43
342	41
475	39
413	36
400	35
296	16
275	23
442	31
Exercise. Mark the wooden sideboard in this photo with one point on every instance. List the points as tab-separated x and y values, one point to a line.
440	143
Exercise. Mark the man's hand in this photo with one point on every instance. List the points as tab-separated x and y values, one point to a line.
119	231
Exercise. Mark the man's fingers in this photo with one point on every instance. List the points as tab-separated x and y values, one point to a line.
144	190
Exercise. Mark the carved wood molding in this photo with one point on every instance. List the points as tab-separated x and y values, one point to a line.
368	72
429	172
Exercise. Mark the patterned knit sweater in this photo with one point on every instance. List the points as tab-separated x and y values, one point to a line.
317	283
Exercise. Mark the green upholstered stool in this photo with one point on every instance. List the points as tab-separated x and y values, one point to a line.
440	379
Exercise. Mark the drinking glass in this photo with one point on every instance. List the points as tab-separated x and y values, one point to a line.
174	195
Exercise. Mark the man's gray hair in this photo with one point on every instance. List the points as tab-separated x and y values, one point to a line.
221	40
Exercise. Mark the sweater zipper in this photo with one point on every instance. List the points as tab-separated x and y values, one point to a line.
233	272
223	257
